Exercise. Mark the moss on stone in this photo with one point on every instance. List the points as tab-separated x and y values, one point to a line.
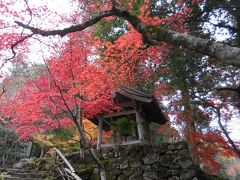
44	164
95	177
129	172
125	152
109	161
122	177
114	173
47	174
84	169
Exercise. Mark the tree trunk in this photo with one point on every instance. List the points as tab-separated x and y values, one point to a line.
190	127
93	154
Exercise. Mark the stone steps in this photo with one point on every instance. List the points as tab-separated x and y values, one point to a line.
14	173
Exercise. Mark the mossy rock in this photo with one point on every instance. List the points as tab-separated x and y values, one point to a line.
122	177
136	159
113	174
49	175
84	169
125	152
135	153
109	161
95	177
45	164
30	166
129	172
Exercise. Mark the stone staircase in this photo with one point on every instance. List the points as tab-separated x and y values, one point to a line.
15	173
26	169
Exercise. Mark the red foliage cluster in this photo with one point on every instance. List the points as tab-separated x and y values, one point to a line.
128	63
70	81
210	145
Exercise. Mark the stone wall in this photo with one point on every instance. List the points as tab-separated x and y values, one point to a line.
166	161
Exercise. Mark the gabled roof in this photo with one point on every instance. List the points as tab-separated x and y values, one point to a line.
150	108
128	99
134	94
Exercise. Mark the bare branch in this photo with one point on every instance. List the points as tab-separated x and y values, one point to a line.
59	88
3	91
13	51
70	29
30	13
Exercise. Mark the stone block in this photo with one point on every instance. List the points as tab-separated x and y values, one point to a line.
174	172
174	178
163	173
124	164
150	158
165	160
171	147
135	164
150	175
184	153
135	176
186	164
95	171
188	175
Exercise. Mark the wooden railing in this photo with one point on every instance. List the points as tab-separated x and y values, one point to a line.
64	167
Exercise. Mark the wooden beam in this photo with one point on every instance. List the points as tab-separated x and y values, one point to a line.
100	127
108	145
126	104
120	113
132	142
123	144
65	160
73	174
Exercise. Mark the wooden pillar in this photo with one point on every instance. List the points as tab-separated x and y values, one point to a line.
29	149
99	140
140	127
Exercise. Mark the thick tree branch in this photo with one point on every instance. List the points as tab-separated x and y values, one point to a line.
68	30
30	13
155	35
234	89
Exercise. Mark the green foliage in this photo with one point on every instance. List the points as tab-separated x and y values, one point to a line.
157	138
63	134
136	6
11	150
65	139
124	126
110	30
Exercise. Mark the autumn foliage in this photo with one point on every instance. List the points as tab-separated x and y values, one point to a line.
44	104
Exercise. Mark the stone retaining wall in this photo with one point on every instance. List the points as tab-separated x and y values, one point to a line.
166	161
